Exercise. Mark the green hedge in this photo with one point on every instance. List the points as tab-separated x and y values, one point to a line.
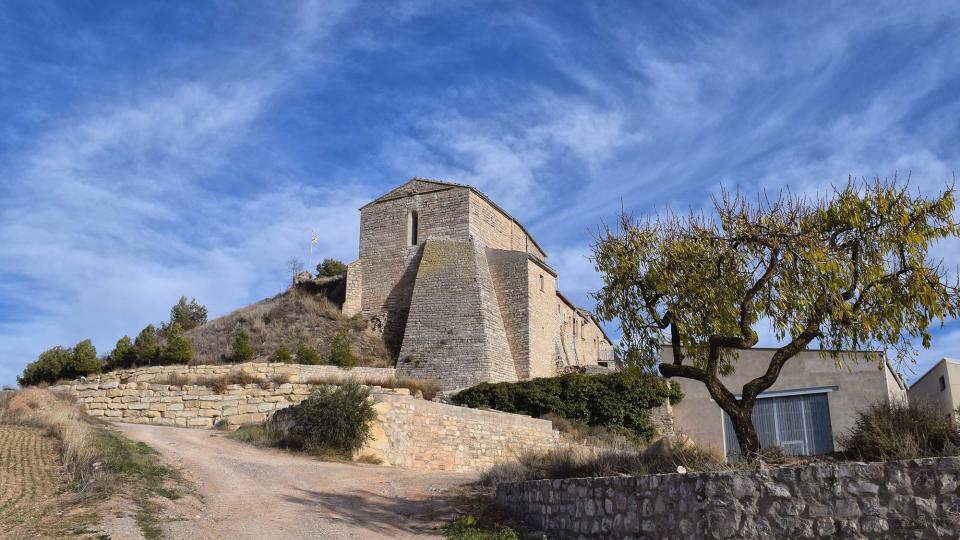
620	401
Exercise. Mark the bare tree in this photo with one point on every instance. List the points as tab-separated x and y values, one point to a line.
294	266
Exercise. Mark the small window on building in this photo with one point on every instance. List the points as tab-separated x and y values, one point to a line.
943	384
540	281
574	327
413	224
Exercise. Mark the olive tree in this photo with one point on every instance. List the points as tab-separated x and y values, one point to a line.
845	271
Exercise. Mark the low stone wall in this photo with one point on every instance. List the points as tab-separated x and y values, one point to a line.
902	499
294	372
191	405
428	435
409	432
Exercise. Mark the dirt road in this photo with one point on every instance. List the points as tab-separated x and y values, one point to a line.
250	492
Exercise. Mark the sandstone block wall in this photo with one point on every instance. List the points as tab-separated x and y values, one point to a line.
427	435
902	499
388	261
508	269
353	299
409	431
454	330
144	396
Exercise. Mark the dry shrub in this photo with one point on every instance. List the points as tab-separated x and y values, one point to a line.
280	378
427	388
583	461
178	379
326	379
897	430
244	378
582	433
29	400
217	384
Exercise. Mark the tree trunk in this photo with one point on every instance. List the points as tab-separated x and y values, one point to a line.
746	434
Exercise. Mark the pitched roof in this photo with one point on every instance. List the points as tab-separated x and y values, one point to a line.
418	185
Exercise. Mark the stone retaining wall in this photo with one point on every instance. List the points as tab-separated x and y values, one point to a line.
409	431
145	395
901	499
424	434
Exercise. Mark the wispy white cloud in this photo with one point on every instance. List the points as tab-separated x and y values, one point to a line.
111	219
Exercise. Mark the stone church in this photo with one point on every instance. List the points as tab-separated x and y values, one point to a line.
462	293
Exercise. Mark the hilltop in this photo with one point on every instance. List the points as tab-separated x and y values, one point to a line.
307	311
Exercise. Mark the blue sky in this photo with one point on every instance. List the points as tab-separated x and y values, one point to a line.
155	149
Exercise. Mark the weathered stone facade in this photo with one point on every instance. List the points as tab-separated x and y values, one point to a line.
408	432
461	292
900	499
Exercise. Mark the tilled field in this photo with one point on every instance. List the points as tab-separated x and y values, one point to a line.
29	477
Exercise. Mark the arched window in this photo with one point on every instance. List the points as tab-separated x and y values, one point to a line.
412	227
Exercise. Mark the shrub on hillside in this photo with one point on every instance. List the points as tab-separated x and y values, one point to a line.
242	350
897	430
330	268
188	315
123	354
177	349
61	363
340	353
307	354
281	355
146	349
620	401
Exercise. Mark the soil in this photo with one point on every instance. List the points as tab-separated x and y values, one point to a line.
251	492
29	479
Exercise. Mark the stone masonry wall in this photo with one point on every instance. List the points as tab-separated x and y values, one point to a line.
508	269
388	263
542	320
409	431
902	499
145	396
427	435
454	331
353	299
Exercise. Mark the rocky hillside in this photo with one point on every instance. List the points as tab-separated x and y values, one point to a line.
303	312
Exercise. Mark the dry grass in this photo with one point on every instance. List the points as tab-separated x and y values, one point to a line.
64	420
178	379
217	384
95	462
286	319
428	389
280	378
575	461
898	430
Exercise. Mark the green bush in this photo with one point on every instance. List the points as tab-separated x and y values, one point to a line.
281	355
340	354
146	349
331	267
123	355
188	315
61	363
620	401
307	354
242	350
333	420
892	431
178	349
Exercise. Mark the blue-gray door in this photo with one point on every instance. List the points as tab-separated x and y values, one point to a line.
799	424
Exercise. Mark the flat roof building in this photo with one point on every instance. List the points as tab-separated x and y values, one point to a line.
811	403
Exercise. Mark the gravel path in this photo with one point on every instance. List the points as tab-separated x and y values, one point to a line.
250	492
